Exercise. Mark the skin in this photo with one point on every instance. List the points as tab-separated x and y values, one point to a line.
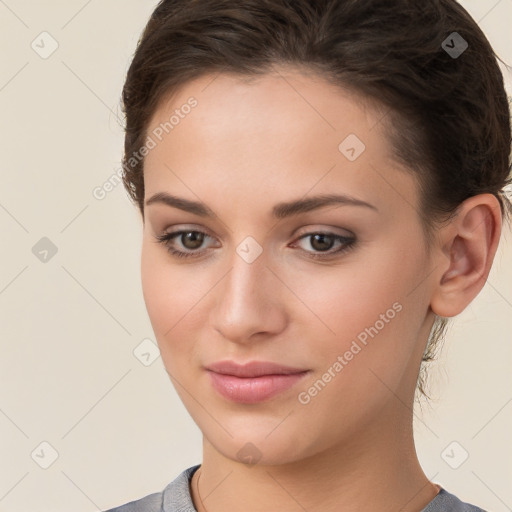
244	148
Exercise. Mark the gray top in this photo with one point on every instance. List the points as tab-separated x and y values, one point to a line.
176	498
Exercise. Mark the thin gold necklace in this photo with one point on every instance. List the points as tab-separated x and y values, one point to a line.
197	490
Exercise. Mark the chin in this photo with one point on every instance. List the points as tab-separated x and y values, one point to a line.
249	445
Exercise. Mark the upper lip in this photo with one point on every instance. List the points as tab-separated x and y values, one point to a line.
252	368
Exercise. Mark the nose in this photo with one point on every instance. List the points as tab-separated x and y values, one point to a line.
250	301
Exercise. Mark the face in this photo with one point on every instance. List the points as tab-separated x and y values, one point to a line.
338	292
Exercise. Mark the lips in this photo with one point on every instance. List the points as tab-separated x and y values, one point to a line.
253	382
253	368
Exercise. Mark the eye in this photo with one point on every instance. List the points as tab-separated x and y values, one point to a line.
191	241
324	242
320	241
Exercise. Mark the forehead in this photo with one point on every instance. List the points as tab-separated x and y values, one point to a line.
295	104
282	133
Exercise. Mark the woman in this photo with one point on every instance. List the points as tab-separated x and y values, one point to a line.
321	188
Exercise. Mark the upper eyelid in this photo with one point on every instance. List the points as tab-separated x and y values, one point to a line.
310	228
307	231
175	234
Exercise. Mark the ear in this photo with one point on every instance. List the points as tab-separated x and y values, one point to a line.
468	244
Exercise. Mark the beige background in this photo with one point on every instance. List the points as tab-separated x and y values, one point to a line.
69	326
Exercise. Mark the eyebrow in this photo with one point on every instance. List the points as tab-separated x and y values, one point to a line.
279	211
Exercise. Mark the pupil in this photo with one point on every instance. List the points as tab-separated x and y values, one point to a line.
196	239
322	239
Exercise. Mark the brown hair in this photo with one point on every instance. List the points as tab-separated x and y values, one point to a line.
447	113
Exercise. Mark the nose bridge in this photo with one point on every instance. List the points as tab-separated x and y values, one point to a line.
247	301
248	269
245	283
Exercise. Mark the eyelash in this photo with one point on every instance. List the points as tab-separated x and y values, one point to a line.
349	243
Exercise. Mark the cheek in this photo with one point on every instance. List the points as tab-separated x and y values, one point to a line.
371	312
158	295
166	295
356	295
175	302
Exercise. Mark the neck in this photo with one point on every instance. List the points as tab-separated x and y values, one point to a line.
377	470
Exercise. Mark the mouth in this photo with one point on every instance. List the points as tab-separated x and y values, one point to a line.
253	382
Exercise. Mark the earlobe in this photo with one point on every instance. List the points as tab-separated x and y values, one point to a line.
470	241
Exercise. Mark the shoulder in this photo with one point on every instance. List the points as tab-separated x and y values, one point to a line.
150	503
175	497
447	502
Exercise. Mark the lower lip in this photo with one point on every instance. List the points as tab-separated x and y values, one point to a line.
251	390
